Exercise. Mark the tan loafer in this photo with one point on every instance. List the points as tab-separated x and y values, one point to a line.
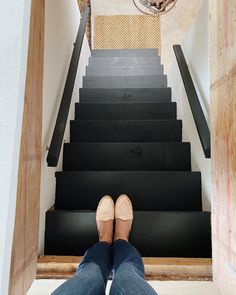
105	210
124	208
124	218
105	219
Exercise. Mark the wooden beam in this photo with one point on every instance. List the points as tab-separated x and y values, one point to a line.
223	125
191	269
25	242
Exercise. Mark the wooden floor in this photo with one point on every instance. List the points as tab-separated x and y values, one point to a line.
45	287
168	276
161	269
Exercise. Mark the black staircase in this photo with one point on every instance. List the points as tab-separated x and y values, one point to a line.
126	139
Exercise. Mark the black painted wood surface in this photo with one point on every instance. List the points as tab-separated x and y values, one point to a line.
160	156
148	190
124	71
157	81
132	61
125	111
126	131
125	52
61	121
198	115
155	234
126	139
144	95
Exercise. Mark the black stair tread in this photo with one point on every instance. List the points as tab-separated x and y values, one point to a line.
127	156
119	61
155	234
124	52
145	95
126	131
148	190
157	81
124	71
125	111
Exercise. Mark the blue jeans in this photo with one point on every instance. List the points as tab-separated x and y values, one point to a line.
94	270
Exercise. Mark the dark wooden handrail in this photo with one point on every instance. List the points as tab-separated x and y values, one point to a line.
198	115
59	130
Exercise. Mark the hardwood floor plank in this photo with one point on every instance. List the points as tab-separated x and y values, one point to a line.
163	269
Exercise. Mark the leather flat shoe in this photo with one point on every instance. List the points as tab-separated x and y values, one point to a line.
124	208
105	210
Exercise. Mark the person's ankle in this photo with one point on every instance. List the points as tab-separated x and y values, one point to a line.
107	238
121	235
120	238
122	229
106	231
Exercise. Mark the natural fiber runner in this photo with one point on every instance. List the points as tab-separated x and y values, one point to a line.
127	31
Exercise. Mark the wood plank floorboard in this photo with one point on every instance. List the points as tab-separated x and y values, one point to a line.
176	269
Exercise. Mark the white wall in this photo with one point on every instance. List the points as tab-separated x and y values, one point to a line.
174	27
14	35
61	26
195	48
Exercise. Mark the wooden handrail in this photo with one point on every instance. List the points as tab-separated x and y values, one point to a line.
59	129
198	115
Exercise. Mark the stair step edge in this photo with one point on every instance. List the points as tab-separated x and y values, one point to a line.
156	268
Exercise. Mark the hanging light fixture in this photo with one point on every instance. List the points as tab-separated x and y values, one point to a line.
154	7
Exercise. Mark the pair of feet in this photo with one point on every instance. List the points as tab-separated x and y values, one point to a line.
108	212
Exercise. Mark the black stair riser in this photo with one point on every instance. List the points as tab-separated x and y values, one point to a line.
158	81
124	61
148	190
124	52
155	234
124	71
125	111
126	131
119	95
127	156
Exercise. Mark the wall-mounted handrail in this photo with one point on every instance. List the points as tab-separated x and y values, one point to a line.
198	115
59	129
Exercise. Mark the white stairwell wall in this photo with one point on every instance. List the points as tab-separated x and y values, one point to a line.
14	34
61	26
196	51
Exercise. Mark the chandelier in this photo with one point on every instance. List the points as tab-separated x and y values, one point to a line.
154	7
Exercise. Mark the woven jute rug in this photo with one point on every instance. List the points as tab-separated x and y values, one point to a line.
127	31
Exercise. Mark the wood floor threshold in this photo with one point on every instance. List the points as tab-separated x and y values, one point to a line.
163	269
